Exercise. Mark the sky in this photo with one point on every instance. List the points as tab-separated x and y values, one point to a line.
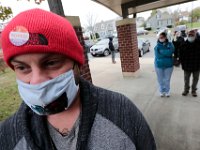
84	7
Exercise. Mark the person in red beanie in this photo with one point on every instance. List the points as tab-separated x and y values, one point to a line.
60	110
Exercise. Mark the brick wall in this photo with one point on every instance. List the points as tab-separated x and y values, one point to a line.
85	70
127	37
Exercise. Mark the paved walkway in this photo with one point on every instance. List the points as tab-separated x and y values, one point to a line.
175	121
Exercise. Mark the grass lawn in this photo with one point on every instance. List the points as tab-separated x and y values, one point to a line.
193	25
9	98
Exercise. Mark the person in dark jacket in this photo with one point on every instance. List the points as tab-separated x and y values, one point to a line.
177	42
112	49
190	61
197	34
60	110
164	51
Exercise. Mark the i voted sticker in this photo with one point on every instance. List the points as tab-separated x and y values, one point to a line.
19	36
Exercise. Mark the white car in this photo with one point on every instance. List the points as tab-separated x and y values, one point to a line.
167	31
142	32
102	48
143	46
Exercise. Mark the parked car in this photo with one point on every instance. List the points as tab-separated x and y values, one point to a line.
182	29
162	29
167	31
143	46
88	44
102	48
142	32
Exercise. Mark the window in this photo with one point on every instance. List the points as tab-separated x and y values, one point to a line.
102	26
169	22
160	23
158	16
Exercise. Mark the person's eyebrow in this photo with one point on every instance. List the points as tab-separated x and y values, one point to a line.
16	61
52	56
43	57
13	61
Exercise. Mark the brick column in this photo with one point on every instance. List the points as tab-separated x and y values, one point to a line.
129	55
85	70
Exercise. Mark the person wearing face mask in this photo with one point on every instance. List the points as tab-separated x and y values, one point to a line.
60	110
164	51
190	61
177	42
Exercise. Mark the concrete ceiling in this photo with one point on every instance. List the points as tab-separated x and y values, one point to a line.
135	6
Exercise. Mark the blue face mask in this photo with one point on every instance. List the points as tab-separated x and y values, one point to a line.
162	40
50	97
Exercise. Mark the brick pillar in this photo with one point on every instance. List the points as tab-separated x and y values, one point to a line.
85	70
129	55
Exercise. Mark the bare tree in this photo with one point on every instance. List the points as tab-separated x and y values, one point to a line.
91	19
176	16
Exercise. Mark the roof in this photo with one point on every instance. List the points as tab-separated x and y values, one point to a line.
135	6
185	13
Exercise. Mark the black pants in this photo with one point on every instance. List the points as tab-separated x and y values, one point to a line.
195	80
113	56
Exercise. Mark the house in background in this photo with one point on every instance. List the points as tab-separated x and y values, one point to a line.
184	16
160	20
140	21
106	28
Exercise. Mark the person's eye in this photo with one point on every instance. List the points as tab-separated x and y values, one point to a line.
21	68
52	63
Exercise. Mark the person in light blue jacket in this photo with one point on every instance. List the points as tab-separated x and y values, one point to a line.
164	51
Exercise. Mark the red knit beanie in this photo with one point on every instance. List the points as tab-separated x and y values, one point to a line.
20	36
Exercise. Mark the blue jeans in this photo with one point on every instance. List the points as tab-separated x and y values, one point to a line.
164	77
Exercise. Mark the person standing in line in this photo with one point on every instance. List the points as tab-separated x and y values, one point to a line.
197	31
177	41
190	61
112	49
164	51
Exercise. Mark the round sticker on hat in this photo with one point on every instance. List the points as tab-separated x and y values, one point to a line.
19	36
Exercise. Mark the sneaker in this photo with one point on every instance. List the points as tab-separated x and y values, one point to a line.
185	93
194	93
162	94
167	95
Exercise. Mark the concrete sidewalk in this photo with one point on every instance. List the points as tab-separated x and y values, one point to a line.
174	121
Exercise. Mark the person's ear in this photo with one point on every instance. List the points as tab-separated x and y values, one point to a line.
77	73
